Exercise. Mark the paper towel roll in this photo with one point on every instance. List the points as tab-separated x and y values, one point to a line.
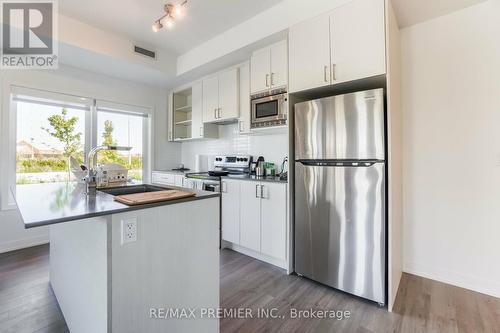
201	163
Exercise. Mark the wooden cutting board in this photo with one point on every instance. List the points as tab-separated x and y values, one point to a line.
151	197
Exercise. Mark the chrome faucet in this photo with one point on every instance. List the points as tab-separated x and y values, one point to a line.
91	179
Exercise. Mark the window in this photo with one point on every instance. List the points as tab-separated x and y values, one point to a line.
122	128
48	132
51	129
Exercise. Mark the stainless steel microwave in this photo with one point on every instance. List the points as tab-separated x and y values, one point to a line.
269	109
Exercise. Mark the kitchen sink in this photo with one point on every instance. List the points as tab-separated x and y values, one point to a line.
131	189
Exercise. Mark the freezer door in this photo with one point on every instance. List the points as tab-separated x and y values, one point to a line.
341	127
340	227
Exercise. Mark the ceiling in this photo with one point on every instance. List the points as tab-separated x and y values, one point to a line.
204	19
410	12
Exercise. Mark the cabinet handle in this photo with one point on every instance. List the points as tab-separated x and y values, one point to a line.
218	112
215	113
201	131
267	80
262	191
334	78
241	126
257	191
325	74
272	79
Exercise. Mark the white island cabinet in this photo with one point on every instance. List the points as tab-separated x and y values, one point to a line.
118	268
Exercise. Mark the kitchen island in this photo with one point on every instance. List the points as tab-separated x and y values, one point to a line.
118	268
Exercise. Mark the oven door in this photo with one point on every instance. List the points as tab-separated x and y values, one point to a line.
270	108
211	186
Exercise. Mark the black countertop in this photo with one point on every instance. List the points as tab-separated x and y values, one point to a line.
247	176
45	204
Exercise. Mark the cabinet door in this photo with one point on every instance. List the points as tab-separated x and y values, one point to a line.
260	72
279	64
210	98
163	178
189	183
310	54
179	180
197	110
231	211
170	117
244	121
358	40
273	217
229	107
250	215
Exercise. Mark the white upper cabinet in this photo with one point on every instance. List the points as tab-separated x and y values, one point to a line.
185	114
279	64
269	68
358	40
197	111
229	107
210	98
310	54
260	64
244	121
221	97
344	45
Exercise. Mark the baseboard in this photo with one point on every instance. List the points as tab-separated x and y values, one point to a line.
255	254
23	243
393	294
481	285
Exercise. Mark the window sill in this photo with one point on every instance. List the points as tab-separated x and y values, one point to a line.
8	207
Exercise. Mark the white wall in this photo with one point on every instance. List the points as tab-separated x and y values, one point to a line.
77	82
451	101
274	147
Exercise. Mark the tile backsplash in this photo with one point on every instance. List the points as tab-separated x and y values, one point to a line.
274	147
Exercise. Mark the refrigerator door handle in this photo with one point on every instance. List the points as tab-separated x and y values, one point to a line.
352	164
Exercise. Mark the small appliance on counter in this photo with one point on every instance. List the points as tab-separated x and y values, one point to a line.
111	173
201	163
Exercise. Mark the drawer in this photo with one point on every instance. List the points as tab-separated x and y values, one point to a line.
163	178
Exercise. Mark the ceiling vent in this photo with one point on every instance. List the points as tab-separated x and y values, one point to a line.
144	52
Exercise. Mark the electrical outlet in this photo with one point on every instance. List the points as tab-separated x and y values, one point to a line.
129	230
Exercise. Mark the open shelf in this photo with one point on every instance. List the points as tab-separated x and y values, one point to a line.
182	114
185	108
184	122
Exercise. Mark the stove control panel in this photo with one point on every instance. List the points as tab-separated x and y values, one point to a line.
236	161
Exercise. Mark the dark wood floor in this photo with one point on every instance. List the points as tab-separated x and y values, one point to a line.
27	303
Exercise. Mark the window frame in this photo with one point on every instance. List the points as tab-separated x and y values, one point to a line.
8	165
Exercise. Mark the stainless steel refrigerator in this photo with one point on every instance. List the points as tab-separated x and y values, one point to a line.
340	186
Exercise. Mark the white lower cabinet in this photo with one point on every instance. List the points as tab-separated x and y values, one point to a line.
166	178
273	220
231	211
254	217
250	215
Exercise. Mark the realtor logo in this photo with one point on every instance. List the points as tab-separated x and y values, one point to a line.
29	34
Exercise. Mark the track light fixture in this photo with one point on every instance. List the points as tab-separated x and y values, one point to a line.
172	12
